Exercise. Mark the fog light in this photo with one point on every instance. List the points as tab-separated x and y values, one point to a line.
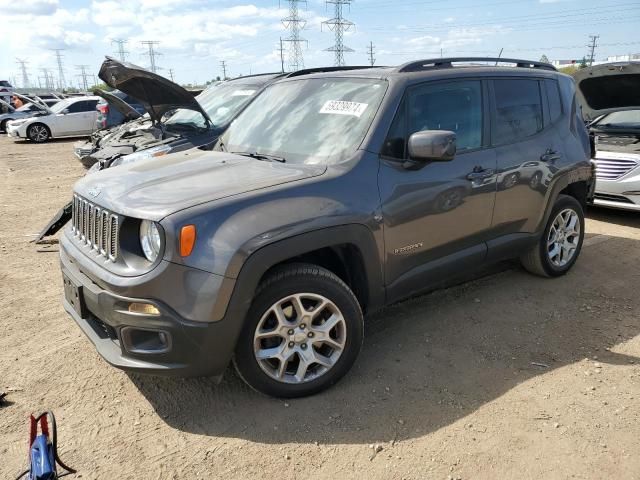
143	309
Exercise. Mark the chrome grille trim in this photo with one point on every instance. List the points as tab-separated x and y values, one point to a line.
613	168
95	227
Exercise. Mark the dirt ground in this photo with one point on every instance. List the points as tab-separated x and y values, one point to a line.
506	376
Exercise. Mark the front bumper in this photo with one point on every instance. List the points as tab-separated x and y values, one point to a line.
13	132
82	149
190	348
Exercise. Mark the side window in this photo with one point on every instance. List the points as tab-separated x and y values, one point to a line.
396	141
555	102
76	107
453	106
518	112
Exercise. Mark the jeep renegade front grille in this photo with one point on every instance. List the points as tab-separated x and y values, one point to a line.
96	227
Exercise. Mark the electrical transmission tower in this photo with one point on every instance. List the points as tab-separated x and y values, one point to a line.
61	80
592	45
151	44
370	52
122	53
295	25
171	74
23	69
83	74
338	25
48	79
281	51
223	64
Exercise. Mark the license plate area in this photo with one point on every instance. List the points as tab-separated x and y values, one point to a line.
73	295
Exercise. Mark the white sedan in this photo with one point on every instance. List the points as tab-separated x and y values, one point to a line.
72	117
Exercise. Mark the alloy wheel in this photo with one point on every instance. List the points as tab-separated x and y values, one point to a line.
300	338
39	133
563	238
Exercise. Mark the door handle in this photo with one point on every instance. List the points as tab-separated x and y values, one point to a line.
480	174
550	156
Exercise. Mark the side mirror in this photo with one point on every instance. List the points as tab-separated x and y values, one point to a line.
65	111
432	146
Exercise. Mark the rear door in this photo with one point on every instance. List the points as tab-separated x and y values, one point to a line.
436	214
528	150
73	120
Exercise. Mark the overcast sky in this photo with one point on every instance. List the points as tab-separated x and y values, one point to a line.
195	35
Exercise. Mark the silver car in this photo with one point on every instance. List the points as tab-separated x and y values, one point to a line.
610	100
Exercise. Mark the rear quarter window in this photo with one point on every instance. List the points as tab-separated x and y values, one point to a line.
518	110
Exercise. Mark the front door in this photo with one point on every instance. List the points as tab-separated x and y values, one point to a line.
436	215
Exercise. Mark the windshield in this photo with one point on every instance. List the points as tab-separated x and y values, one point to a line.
628	119
221	102
312	120
60	106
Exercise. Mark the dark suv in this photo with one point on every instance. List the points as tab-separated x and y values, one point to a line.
333	194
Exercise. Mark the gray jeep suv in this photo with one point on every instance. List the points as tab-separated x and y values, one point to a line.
333	194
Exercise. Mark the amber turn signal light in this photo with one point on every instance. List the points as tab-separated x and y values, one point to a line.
187	240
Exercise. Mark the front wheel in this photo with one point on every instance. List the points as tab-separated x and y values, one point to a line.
302	334
561	242
38	133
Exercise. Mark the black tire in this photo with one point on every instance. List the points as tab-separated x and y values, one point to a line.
537	259
3	125
289	280
33	133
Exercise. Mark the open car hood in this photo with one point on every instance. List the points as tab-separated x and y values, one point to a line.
123	107
606	88
8	105
157	94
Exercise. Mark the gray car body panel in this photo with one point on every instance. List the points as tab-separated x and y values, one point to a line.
251	215
123	107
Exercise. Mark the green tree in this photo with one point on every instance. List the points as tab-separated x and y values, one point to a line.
544	59
583	63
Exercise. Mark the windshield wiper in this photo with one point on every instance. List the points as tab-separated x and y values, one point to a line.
261	156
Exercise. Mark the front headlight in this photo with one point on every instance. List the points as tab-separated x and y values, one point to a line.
16	123
144	154
150	240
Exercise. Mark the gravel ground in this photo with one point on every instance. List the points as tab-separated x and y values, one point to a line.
505	376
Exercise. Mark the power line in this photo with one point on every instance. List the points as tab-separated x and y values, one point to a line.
83	74
23	69
122	53
61	80
151	52
295	24
338	25
370	52
592	45
224	69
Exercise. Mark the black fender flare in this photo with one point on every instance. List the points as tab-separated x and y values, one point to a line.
236	294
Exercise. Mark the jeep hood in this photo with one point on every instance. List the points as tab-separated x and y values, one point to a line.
116	102
157	94
154	188
607	88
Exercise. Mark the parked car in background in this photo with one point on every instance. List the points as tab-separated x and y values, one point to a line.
116	108
610	98
34	108
176	120
268	251
6	90
70	117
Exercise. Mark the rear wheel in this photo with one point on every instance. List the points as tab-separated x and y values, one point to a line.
38	133
561	242
3	125
303	333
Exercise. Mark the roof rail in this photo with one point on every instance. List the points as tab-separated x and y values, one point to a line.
435	63
307	71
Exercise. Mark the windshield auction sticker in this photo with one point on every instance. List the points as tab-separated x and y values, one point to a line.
340	107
